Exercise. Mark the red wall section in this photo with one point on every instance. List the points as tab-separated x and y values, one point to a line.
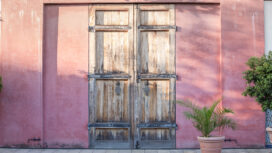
206	74
20	61
242	37
198	63
65	82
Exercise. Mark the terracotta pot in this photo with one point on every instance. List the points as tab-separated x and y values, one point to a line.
269	131
211	144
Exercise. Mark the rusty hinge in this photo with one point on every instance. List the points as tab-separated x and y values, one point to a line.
91	29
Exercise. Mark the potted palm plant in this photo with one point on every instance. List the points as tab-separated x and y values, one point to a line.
206	120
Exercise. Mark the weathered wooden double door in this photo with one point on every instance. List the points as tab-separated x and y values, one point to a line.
132	76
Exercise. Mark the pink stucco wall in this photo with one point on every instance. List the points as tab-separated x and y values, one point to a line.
65	94
242	37
44	61
21	68
213	45
198	63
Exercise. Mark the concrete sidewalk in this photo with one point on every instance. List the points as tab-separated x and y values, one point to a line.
2	150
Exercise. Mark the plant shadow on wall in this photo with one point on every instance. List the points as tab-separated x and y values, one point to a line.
198	66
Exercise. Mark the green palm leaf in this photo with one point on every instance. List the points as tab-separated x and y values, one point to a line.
207	119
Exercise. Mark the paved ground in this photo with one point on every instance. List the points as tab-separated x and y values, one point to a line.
126	151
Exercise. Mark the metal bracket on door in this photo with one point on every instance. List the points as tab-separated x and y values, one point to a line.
156	76
109	76
157	125
109	125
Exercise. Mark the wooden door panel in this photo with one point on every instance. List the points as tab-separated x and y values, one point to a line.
110	38
109	134
116	17
132	99
156	39
113	52
154	101
156	76
110	73
155	134
112	101
156	17
155	52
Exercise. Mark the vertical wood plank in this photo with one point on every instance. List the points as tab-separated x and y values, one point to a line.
129	112
173	70
91	70
172	40
137	56
92	53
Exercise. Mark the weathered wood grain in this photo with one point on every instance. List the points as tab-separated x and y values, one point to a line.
111	17
111	68
132	75
156	74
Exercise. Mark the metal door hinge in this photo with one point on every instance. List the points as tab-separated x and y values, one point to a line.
91	29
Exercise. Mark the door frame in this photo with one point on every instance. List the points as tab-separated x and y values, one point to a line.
133	91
